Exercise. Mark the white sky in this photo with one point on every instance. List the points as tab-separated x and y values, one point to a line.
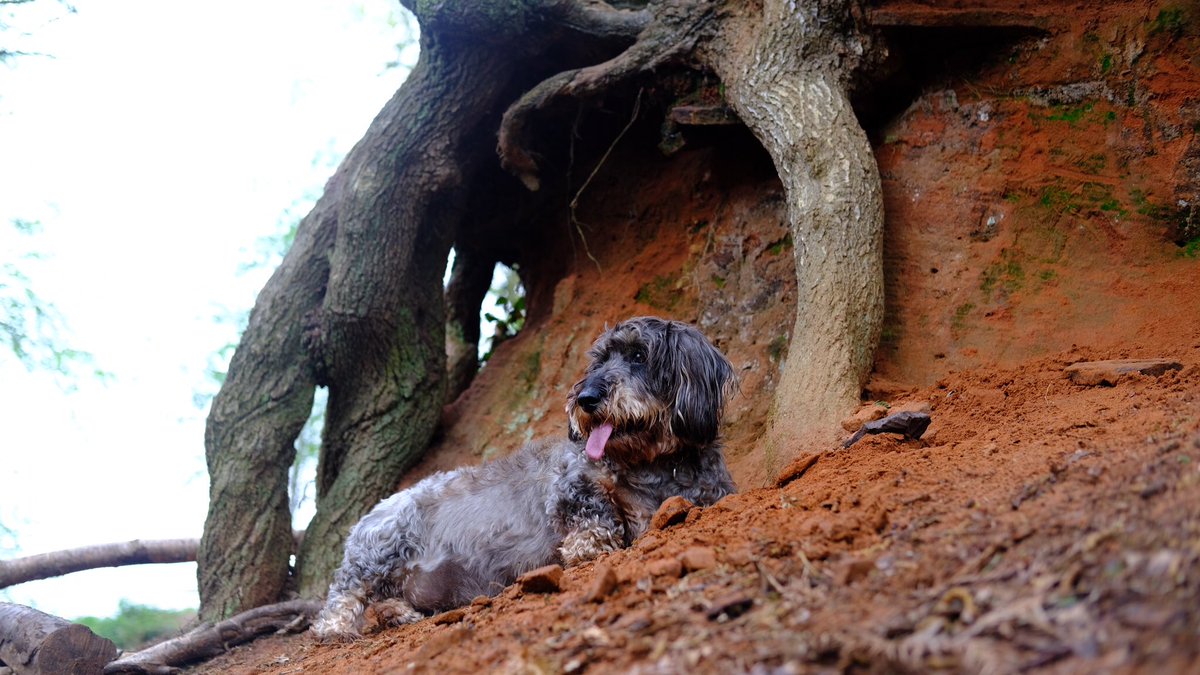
160	142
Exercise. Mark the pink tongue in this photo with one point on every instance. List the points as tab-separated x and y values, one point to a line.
596	441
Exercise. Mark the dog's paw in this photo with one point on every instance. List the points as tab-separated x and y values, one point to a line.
341	618
584	545
391	612
334	629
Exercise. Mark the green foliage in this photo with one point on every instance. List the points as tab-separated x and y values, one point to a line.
1005	275
1071	115
1058	199
1190	249
781	245
137	626
507	295
1076	115
302	473
406	50
778	348
960	316
661	293
31	327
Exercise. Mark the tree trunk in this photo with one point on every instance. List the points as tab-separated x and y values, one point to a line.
382	332
786	73
35	643
357	305
58	563
252	426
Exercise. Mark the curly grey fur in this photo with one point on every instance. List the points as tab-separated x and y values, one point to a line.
456	535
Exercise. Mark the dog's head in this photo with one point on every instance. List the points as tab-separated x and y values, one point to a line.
652	388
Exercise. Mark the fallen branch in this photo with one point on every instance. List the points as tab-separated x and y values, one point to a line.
58	563
208	640
136	552
909	424
33	642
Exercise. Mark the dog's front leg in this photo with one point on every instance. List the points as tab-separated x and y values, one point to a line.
590	522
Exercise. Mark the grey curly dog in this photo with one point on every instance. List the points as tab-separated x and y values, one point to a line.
643	427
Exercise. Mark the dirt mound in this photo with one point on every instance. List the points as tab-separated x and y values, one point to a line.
1039	523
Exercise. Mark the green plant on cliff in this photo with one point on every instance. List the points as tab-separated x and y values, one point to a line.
1171	22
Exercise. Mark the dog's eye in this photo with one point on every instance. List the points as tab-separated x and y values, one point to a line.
637	356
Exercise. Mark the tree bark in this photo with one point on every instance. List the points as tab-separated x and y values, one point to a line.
382	333
208	640
786	74
255	418
36	643
58	563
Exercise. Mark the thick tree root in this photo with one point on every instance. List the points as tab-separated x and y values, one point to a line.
208	640
672	34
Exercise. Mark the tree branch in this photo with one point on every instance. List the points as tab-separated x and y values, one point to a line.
208	640
136	552
58	563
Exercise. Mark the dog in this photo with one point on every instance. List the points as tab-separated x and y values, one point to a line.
643	426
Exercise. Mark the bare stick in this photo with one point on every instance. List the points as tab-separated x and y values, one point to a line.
58	563
136	552
208	640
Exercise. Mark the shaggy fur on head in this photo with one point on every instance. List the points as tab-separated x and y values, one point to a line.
643	427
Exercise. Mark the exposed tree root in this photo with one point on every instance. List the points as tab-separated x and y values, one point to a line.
672	34
209	640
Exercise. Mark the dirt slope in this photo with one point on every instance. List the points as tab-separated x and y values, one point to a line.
1041	525
1040	189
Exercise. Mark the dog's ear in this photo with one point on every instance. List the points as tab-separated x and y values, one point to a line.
699	379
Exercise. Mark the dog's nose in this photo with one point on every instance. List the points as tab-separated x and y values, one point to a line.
589	399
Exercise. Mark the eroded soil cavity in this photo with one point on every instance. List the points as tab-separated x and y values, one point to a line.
1040	200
